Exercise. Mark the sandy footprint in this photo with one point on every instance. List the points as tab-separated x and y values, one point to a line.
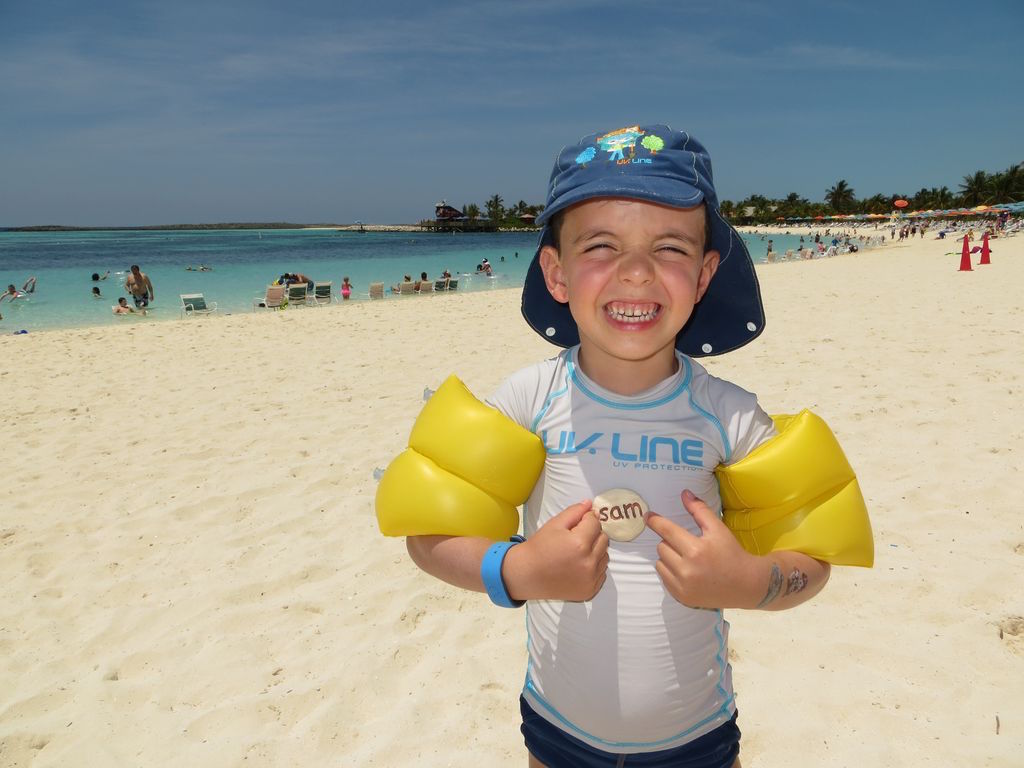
19	749
1011	632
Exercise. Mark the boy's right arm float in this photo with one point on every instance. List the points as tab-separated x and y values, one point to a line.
455	489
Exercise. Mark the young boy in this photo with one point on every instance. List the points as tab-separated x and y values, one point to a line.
637	272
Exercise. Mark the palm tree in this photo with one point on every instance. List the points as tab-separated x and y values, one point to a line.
762	206
975	189
792	206
1008	186
472	211
876	204
921	200
495	208
841	197
936	197
943	198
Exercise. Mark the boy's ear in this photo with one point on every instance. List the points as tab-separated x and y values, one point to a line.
707	271
554	275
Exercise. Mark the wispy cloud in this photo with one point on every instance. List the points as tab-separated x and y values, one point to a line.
846	57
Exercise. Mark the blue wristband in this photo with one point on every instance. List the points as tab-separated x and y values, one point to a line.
490	572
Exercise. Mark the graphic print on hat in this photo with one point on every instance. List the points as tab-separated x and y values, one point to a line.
625	138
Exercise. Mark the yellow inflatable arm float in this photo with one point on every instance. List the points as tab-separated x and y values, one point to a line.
464	473
798	492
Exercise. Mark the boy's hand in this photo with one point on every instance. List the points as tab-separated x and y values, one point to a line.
707	571
565	559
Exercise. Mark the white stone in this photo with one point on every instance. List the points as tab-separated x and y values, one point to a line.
621	513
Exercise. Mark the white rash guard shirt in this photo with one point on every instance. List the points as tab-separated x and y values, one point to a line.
632	670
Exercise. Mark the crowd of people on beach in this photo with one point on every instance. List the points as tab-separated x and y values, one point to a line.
297	278
858	236
408	285
815	244
483	269
822	245
1004	226
139	286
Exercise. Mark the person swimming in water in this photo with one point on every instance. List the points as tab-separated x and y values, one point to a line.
13	293
122	308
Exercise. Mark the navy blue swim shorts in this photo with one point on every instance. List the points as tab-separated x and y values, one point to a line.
557	749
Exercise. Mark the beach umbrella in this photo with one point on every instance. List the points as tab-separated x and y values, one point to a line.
965	257
901	203
985	250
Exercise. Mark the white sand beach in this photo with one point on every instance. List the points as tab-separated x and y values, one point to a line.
191	573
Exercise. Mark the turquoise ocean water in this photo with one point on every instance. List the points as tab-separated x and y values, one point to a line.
243	263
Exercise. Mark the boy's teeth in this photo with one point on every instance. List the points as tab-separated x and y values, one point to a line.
633	313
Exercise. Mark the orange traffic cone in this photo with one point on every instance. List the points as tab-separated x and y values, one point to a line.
965	257
985	250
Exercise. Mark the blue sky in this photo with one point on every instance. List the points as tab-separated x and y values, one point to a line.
122	113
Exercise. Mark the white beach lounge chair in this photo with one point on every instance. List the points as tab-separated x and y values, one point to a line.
272	299
376	290
426	287
195	304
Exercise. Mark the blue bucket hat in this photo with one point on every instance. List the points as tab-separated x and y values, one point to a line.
655	164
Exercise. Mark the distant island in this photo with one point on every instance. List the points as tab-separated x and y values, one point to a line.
427	225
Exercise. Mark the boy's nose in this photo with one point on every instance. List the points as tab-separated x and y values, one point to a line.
635	267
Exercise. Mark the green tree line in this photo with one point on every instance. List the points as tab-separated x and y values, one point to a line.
506	217
979	188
